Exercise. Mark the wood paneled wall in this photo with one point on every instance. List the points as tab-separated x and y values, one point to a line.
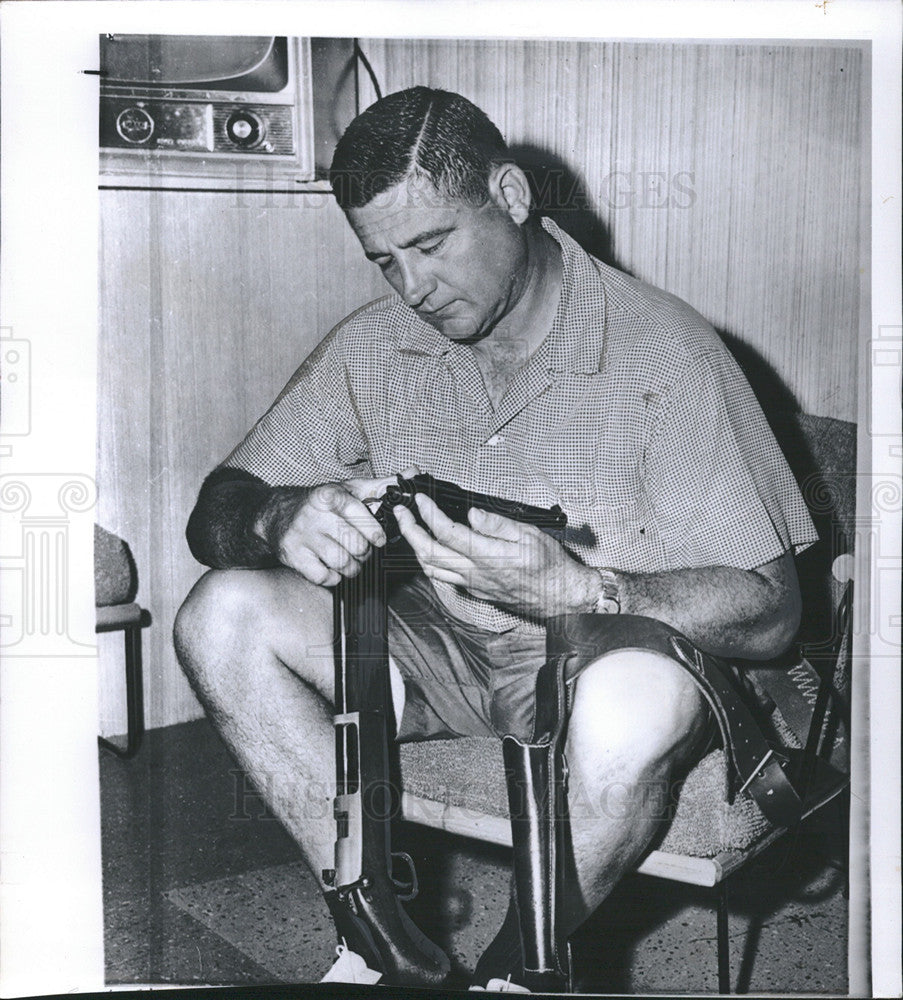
730	175
209	303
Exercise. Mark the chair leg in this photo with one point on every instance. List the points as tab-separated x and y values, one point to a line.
134	695
724	958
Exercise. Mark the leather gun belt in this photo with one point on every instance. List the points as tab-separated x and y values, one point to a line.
754	765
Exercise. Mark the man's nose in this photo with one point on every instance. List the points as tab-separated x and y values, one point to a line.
417	282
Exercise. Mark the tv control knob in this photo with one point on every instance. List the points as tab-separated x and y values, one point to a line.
245	129
135	125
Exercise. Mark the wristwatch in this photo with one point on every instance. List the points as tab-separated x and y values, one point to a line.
609	600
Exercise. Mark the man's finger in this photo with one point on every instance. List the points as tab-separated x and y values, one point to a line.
458	579
363	489
495	525
348	535
428	550
359	516
416	537
335	556
329	496
483	595
445	575
449	532
311	568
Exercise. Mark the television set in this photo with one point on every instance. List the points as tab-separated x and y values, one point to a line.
205	111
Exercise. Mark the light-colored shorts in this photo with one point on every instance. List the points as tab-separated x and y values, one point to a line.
460	680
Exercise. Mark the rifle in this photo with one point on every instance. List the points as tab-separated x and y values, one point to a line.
365	899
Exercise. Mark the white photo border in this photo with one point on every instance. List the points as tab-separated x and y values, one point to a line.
50	901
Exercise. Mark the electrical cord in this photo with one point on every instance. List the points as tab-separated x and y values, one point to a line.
359	54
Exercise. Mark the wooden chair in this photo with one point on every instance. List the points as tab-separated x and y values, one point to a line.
115	586
458	785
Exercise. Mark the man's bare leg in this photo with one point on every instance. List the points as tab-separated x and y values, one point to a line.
637	718
257	648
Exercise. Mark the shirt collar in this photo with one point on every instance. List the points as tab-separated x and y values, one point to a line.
416	336
569	347
572	346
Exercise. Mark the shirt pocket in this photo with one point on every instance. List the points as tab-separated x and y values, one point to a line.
587	468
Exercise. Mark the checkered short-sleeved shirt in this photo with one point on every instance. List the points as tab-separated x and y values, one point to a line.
631	415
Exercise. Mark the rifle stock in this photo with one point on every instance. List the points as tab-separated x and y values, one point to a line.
365	904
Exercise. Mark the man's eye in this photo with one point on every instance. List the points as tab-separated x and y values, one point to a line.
431	248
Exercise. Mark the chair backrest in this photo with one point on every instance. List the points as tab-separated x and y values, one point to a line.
115	574
821	452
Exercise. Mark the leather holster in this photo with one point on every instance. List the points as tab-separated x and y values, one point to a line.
536	775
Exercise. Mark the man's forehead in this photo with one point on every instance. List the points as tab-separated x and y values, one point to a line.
416	191
402	212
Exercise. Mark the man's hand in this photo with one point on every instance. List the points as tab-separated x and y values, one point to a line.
329	534
499	560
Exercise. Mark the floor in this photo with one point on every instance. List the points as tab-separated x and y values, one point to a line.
202	885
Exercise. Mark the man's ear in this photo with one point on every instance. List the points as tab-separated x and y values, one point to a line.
510	190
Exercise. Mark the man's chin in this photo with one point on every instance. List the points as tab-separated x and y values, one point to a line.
460	329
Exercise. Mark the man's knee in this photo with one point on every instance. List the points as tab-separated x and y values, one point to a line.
234	610
219	601
636	707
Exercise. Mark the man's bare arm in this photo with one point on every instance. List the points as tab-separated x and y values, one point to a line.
238	520
751	614
323	532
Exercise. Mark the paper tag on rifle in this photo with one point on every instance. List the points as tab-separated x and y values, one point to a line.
349	967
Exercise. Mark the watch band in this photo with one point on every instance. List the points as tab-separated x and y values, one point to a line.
609	600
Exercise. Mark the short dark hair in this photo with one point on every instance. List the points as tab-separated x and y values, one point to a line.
417	132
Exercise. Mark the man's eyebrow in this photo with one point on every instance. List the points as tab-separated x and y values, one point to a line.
429	234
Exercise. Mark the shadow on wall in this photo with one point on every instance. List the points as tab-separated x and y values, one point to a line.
820	451
561	195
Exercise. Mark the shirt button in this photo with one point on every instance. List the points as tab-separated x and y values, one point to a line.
496	439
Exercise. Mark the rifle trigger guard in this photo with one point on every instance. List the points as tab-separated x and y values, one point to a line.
406	890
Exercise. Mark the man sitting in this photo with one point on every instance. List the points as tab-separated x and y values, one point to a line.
510	362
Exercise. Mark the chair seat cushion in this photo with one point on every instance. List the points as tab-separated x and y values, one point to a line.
113	617
469	775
